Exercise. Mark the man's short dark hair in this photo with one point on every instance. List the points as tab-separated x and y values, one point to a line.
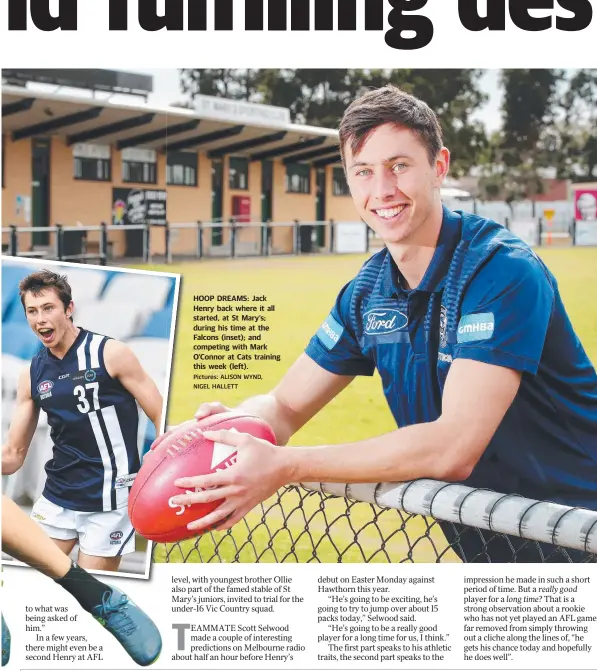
390	104
46	279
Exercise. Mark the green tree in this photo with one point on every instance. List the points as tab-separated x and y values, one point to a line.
455	96
521	152
236	84
574	137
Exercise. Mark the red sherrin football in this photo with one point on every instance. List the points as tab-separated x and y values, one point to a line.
185	452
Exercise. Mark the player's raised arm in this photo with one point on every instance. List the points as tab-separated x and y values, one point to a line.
22	426
121	363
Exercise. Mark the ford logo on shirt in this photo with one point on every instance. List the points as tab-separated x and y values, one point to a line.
380	322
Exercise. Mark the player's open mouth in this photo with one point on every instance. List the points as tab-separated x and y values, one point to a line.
46	334
389	213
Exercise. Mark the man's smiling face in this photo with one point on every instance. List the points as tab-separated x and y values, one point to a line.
393	183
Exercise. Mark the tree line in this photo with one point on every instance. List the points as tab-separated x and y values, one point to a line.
548	117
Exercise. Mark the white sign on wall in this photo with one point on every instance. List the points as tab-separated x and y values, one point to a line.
586	232
526	229
238	110
84	150
139	155
351	237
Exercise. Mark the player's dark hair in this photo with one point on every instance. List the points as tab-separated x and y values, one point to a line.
390	104
46	279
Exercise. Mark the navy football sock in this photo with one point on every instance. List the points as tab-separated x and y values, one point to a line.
86	589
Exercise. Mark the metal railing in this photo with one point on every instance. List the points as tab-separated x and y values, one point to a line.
185	240
420	521
214	239
557	232
71	243
239	239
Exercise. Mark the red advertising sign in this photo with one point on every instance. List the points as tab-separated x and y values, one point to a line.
585	213
585	204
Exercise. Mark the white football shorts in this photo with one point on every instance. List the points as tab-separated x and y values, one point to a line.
101	534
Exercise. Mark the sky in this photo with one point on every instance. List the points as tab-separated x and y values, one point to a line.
166	84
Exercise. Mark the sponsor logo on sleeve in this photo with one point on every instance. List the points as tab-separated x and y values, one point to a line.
330	332
125	481
473	328
382	322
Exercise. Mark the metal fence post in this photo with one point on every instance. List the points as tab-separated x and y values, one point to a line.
262	238
168	250
58	242
199	251
103	244
367	238
332	235
573	231
540	234
268	236
14	241
297	237
232	238
146	244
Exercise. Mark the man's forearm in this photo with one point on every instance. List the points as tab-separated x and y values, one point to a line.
156	419
418	451
12	459
281	419
151	402
300	395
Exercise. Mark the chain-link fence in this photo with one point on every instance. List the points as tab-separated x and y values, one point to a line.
422	521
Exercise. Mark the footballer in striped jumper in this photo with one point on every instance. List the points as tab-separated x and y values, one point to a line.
89	386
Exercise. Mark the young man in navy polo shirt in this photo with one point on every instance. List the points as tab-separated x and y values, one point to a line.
480	366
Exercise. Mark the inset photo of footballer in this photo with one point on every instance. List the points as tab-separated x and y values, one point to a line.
86	358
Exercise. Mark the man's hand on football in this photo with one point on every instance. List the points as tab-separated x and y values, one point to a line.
191	423
209	409
203	411
260	470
